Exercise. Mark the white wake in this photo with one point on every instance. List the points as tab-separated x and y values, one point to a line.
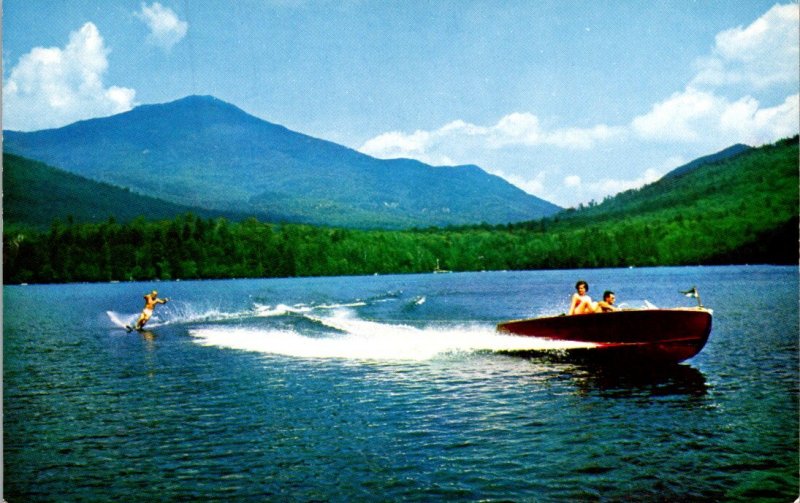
370	340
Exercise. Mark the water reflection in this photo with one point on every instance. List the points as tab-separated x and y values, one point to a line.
148	336
150	362
623	376
650	381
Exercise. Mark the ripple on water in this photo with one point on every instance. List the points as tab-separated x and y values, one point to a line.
99	412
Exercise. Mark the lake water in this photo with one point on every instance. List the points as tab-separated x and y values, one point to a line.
390	388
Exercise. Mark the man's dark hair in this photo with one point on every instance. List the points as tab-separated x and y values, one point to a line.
607	293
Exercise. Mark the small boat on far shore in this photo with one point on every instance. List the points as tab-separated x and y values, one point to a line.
664	335
439	270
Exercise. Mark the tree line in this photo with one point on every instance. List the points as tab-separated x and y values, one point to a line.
191	247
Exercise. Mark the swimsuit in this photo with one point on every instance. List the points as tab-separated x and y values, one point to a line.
581	299
148	312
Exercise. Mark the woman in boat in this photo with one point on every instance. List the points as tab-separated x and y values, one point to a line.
581	303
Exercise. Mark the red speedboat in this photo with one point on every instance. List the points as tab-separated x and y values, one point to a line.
667	335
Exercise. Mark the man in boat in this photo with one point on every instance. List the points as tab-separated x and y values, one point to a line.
150	301
607	304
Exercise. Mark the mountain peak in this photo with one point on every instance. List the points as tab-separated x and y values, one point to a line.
192	99
199	105
201	151
198	100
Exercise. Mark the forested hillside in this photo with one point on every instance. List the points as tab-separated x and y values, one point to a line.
740	210
708	159
34	195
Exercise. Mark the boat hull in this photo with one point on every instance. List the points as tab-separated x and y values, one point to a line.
672	335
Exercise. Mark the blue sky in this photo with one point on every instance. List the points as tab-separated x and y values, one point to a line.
570	100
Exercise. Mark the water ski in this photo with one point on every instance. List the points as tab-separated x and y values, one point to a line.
132	328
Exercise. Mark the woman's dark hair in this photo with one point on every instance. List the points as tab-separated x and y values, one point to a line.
581	282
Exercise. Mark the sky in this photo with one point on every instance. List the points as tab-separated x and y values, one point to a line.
572	101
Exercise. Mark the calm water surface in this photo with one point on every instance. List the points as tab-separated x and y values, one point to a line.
393	388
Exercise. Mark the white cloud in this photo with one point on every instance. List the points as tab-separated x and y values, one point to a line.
760	55
583	138
697	116
52	87
166	29
575	189
396	144
678	117
534	186
513	130
744	119
607	186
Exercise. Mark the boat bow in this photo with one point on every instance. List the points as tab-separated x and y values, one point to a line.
662	334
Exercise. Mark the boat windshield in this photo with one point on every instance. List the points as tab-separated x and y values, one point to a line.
637	304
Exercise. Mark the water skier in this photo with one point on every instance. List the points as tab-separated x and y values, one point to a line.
150	301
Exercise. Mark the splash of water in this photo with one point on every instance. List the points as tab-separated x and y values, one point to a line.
183	313
120	319
178	314
354	338
371	340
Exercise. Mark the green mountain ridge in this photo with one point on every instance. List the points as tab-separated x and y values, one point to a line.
740	210
727	153
750	181
200	151
36	195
